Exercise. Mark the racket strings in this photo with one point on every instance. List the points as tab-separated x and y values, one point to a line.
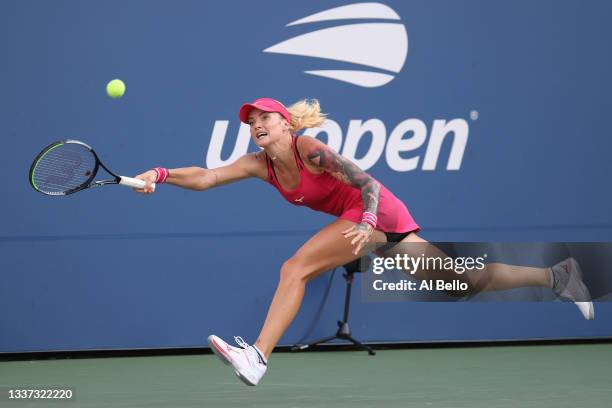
63	168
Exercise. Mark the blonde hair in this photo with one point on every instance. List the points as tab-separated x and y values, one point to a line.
306	114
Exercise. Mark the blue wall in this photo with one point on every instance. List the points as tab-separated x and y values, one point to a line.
527	81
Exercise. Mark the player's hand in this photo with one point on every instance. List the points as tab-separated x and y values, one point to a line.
360	233
150	177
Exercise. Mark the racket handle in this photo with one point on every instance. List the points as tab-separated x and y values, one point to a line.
133	182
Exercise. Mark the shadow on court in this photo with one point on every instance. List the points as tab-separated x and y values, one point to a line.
518	376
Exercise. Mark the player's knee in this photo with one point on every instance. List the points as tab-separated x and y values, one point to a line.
293	270
464	288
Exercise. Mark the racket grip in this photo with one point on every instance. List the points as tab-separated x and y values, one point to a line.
133	182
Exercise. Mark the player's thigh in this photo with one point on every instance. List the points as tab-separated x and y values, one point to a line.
416	247
327	249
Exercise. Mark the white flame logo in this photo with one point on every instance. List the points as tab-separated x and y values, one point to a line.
382	46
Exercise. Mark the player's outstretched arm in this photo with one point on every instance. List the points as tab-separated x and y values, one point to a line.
199	178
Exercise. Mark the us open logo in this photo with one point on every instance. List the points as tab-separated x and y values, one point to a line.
378	50
380	47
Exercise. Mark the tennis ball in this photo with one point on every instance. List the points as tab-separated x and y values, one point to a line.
115	88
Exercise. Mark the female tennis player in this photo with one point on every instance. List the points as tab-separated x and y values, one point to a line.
308	173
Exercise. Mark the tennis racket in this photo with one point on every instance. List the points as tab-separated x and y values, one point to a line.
68	166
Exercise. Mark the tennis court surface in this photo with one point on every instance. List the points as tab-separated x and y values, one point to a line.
510	376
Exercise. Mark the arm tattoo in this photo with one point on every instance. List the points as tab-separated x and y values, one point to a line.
348	172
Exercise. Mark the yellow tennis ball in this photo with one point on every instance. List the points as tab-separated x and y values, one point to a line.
115	88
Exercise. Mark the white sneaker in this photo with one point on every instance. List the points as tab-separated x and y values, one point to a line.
248	362
567	284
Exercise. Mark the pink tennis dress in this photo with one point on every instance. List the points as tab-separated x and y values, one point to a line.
323	192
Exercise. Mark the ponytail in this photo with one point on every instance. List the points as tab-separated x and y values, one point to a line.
306	114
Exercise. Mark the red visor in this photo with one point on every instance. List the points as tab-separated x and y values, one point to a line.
266	105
